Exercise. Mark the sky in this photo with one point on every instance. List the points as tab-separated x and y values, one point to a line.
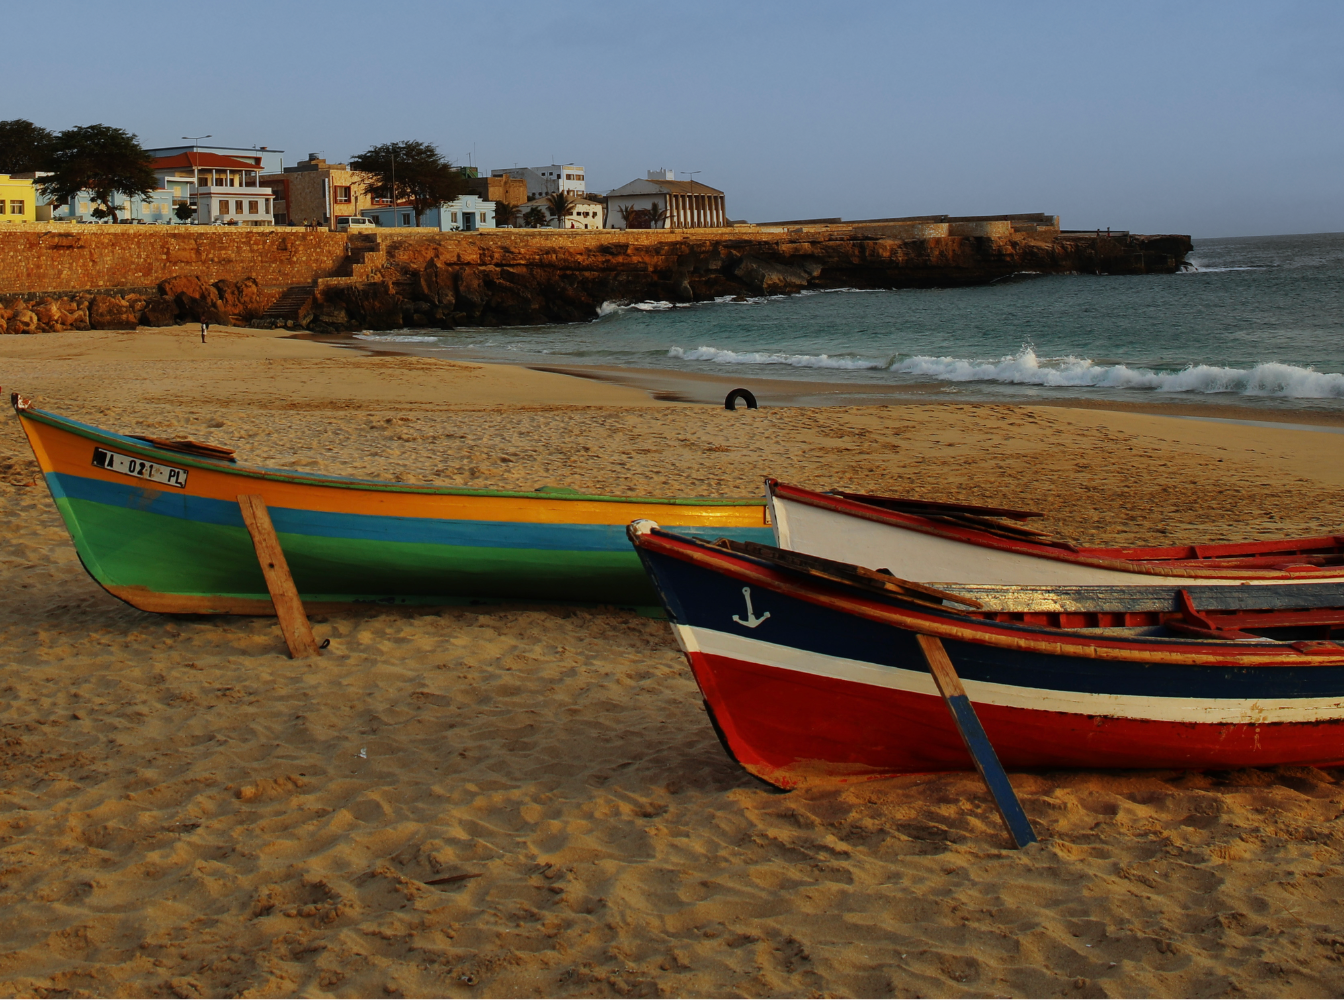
1212	119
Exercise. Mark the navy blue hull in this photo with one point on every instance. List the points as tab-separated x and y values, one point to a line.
807	679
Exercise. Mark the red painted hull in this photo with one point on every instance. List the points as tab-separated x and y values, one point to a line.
790	728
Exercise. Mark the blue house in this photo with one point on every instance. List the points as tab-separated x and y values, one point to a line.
157	208
464	214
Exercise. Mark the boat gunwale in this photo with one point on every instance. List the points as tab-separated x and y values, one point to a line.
1209	568
143	449
890	609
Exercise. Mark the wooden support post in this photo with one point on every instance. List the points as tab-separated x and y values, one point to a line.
973	734
284	595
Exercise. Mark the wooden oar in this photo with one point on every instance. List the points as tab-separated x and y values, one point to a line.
973	735
284	595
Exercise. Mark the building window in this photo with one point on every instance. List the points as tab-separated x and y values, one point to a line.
343	195
452	216
223	208
16	208
405	218
237	208
2	208
253	207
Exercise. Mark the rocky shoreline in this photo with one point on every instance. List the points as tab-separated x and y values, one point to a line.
504	278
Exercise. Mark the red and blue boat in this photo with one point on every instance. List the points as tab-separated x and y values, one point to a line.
812	671
157	523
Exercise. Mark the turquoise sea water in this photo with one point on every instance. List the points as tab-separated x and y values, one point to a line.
1255	321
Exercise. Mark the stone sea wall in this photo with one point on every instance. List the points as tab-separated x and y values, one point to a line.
66	257
56	277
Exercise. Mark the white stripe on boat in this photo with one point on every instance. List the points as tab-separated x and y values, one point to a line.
1205	711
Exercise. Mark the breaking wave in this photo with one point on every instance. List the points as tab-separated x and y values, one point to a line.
397	338
610	308
1026	368
761	358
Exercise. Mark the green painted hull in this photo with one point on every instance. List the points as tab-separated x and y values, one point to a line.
168	555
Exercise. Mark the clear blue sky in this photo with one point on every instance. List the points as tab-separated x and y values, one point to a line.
1214	119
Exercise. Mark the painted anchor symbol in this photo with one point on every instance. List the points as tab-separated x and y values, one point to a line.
751	621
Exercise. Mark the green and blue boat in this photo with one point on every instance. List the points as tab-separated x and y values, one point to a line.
158	525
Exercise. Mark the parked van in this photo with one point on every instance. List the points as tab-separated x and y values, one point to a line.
345	223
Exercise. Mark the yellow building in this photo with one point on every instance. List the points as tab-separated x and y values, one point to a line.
18	199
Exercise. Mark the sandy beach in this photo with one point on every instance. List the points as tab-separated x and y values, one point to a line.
184	811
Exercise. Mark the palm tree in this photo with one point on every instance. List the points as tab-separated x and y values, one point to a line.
506	212
534	218
656	215
561	206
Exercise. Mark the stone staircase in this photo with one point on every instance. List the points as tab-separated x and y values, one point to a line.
364	262
284	311
366	259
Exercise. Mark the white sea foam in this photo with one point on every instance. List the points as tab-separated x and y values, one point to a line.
760	358
1025	368
397	338
610	308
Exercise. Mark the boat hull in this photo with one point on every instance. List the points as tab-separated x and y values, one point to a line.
821	689
347	542
913	549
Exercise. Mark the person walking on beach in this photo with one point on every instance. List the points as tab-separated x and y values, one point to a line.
205	328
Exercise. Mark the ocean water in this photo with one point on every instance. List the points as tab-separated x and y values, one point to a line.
1255	321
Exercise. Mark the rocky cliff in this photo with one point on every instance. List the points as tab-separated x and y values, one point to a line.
520	279
111	277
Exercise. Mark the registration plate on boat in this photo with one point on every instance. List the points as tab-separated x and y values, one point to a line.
128	466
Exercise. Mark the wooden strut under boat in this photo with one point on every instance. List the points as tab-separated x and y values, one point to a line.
158	524
812	670
933	542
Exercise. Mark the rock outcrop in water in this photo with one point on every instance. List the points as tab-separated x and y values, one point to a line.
518	279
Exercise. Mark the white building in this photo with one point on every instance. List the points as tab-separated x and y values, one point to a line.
224	189
549	179
234	206
588	213
660	202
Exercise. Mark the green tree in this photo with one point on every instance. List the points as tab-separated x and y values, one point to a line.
534	218
24	147
410	171
185	212
561	206
100	159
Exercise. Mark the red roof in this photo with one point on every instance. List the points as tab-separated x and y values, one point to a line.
203	160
